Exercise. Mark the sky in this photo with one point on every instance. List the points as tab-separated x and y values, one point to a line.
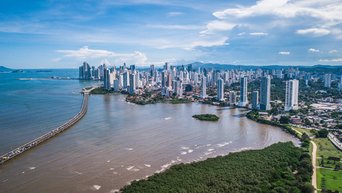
63	34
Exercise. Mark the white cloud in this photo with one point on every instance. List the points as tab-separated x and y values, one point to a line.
176	13
333	51
325	10
217	25
209	43
314	31
136	57
284	53
313	50
327	14
331	60
178	27
258	34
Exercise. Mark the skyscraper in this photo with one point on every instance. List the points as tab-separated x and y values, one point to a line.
204	87
291	95
232	98
255	99
220	89
85	71
106	79
265	93
125	80
243	92
327	80
132	84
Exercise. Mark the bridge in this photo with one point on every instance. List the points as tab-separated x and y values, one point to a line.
20	150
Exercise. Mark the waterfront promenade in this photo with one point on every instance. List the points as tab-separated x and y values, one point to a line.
19	150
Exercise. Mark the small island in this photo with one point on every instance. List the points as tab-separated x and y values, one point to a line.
101	91
206	117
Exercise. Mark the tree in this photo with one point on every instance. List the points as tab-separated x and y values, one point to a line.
284	120
323	133
307	188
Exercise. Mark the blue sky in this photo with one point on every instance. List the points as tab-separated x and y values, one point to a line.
62	34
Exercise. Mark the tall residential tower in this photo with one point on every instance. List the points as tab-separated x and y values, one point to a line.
291	95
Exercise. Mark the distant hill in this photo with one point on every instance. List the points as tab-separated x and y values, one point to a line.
4	69
316	68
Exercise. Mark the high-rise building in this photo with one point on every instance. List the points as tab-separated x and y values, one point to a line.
232	98
220	89
106	79
243	92
132	85
178	88
327	80
265	93
85	71
167	66
204	87
340	84
116	85
255	99
291	95
125	80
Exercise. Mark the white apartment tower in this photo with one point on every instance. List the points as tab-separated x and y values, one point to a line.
265	93
204	87
243	92
327	80
291	95
220	90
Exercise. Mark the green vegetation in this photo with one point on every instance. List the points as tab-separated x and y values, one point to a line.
329	176
206	117
326	148
309	132
101	90
180	100
282	167
329	179
322	133
254	115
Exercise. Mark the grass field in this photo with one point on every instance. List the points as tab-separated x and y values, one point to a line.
326	148
326	177
301	130
332	180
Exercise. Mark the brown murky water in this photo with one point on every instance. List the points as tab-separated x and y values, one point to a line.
117	142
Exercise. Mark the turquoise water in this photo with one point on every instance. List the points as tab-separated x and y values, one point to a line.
31	104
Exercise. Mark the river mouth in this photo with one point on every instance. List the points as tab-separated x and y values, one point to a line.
117	142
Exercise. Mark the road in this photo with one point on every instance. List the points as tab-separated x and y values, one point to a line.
314	159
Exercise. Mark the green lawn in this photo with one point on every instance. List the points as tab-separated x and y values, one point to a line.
326	148
301	130
333	179
326	177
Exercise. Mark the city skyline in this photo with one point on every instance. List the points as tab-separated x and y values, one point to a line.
51	34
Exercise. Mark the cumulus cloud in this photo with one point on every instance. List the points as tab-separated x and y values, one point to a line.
176	27
333	51
327	14
209	43
135	57
217	25
313	50
333	60
284	53
258	34
313	31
